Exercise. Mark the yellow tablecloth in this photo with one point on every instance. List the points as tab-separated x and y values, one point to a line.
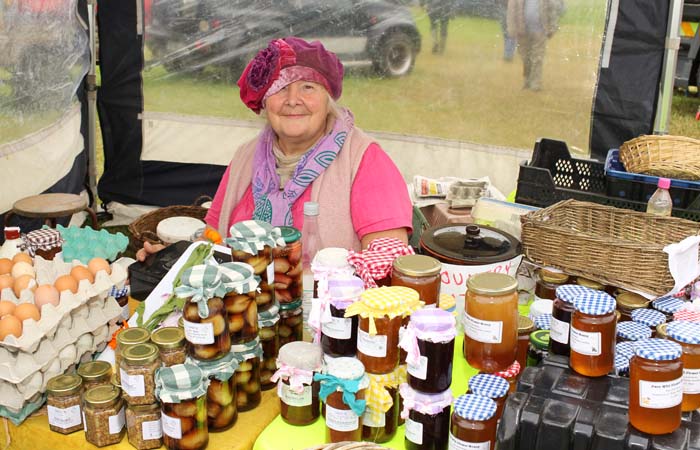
281	436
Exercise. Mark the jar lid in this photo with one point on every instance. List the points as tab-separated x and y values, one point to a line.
658	349
488	385
291	306
661	330
222	368
541	306
630	300
510	372
490	283
470	244
168	337
345	368
685	332
417	265
648	317
569	292
102	396
140	353
590	284
543	321
622	364
687	315
135	335
433	320
144	408
474	407
301	355
668	304
633	331
180	382
625	349
332	257
540	339
525	324
178	228
551	275
63	385
290	234
94	370
594	303
251	236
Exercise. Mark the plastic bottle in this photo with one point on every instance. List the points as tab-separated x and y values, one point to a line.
311	243
661	203
12	244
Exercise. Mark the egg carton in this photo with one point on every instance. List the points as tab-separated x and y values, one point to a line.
84	244
33	332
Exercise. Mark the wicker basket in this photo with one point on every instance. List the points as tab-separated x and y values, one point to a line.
664	156
349	446
144	228
618	247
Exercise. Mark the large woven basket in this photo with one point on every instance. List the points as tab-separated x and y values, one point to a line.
349	446
144	228
664	156
618	247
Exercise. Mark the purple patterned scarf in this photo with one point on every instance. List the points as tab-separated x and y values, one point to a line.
273	205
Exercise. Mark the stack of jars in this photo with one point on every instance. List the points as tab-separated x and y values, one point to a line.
298	392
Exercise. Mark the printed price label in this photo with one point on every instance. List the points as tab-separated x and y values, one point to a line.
151	430
338	328
486	331
371	345
559	331
291	398
421	370
199	333
133	385
171	426
691	381
116	422
585	343
414	431
64	417
458	444
341	419
660	394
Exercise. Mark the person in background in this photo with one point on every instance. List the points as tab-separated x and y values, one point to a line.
309	150
531	23
509	43
439	12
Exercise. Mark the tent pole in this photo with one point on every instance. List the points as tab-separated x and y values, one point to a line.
91	88
668	74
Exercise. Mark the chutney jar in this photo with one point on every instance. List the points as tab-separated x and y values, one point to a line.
298	392
490	386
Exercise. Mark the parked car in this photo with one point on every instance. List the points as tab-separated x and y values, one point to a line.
189	35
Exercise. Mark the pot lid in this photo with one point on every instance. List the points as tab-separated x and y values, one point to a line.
471	244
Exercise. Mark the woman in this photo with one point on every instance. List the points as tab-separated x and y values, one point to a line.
309	150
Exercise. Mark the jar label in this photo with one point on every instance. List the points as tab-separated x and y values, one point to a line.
337	328
291	398
486	331
271	272
64	417
171	426
414	431
199	333
458	444
151	430
585	343
116	422
660	394
371	345
341	419
368	421
559	331
133	385
691	381
421	370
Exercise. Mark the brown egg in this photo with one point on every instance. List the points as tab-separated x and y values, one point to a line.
22	257
82	273
26	311
10	325
6	281
97	264
22	268
66	283
6	307
23	282
5	266
43	295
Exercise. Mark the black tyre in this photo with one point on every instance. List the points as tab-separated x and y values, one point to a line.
395	55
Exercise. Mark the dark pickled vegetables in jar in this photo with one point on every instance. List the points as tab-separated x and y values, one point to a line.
242	317
269	340
248	395
291	328
185	424
207	337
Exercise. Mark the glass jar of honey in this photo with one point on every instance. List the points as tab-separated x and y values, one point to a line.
380	420
490	386
562	309
632	331
427	418
525	327
511	375
687	334
593	334
418	272
338	333
656	386
548	280
473	423
668	305
648	317
491	321
628	302
298	392
381	311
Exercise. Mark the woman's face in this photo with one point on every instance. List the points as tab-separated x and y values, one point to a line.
297	114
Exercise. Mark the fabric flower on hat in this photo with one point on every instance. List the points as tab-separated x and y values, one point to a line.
263	70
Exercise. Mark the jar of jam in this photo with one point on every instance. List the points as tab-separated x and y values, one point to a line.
562	309
338	333
632	331
296	388
427	418
429	341
473	423
95	373
491	321
539	343
240	284
511	375
291	328
418	272
343	389
525	327
103	416
656	386
126	338
491	386
668	305
183	397
137	373
171	345
45	242
687	334
593	334
288	267
548	280
628	302
63	403
248	374
268	322
221	393
648	317
381	311
380	419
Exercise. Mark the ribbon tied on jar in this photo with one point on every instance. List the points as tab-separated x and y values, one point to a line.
200	283
341	292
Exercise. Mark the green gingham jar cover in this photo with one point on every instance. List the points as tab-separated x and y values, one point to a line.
270	316
180	382
222	369
200	283
237	277
251	236
248	350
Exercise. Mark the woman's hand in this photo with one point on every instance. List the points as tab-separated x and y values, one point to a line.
397	233
148	249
